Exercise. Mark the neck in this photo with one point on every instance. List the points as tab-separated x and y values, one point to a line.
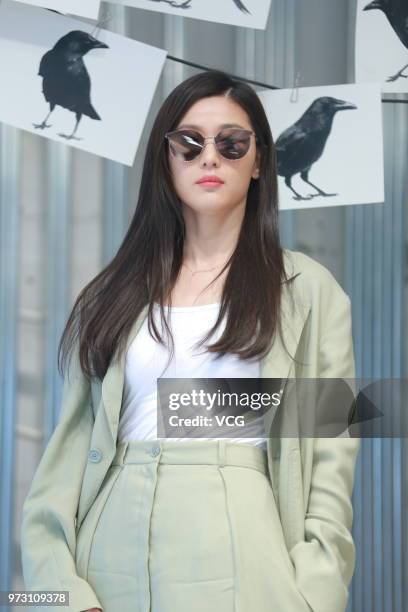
212	239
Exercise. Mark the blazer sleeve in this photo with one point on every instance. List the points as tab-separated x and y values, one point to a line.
48	538
325	561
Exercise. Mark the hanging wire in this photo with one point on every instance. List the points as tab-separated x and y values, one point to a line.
235	76
97	28
259	83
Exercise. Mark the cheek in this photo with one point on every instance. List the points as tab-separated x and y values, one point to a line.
175	170
172	166
244	174
241	185
182	176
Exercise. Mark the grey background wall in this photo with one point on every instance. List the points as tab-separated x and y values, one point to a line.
63	214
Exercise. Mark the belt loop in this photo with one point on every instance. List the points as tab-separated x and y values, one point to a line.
122	451
222	453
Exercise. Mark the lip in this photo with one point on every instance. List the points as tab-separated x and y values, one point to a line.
210	180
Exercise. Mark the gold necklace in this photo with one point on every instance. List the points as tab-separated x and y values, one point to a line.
197	271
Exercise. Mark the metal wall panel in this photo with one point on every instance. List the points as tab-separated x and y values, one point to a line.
9	263
84	195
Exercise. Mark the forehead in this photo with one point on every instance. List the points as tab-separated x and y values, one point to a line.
215	112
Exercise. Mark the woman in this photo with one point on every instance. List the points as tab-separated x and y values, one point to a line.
125	521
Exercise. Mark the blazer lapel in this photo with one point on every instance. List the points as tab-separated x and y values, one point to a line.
113	382
278	363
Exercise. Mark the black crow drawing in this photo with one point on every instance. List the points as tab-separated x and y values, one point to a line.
303	143
396	12
187	4
66	80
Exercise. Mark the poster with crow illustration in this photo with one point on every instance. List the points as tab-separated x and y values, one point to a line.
82	8
90	91
382	44
245	13
329	144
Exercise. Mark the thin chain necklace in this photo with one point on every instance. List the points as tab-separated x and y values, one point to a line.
197	271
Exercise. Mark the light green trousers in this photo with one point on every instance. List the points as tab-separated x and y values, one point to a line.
187	526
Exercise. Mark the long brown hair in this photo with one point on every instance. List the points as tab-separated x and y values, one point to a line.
147	263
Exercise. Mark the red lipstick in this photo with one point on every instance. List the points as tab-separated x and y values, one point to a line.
210	179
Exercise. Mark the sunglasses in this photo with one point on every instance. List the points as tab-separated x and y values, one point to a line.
231	143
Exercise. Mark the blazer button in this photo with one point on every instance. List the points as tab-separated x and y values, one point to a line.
94	455
155	451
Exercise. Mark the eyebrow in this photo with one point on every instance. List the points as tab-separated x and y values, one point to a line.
224	125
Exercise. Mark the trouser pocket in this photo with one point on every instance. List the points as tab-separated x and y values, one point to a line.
89	525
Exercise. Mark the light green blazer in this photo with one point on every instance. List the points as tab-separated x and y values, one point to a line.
312	478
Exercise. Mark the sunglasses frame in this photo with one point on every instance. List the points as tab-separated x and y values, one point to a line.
205	140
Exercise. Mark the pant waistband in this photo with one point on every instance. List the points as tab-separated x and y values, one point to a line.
206	452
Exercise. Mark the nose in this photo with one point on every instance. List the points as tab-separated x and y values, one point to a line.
209	155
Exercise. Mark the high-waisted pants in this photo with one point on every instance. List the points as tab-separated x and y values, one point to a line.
187	526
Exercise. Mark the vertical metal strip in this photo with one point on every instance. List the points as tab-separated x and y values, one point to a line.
397	473
116	176
59	161
9	308
285	26
174	42
353	288
381	447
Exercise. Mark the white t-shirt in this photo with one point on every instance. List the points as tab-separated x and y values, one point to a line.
146	361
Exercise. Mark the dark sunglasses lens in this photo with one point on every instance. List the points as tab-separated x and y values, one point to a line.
233	144
186	145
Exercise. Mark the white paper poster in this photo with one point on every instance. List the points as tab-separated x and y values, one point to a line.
98	90
381	47
329	145
244	13
82	8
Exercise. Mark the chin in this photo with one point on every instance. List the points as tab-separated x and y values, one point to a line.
209	207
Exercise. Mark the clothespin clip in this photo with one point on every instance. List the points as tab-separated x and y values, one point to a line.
294	96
